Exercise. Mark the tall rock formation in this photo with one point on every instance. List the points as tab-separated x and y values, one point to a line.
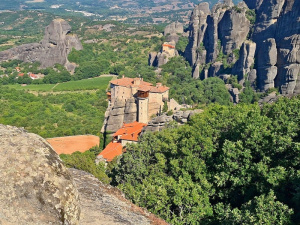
54	48
168	51
224	28
119	113
173	28
246	60
36	188
220	42
278	21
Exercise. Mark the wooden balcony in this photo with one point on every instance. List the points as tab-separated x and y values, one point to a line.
143	94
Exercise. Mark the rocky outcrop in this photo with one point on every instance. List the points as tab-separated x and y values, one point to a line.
54	48
130	112
120	112
36	188
245	62
173	28
152	59
160	122
277	21
266	69
268	58
173	31
234	93
168	51
224	28
233	29
102	204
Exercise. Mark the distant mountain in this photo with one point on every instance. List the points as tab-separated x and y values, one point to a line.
135	11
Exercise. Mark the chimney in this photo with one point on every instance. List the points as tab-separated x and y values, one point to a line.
136	81
123	76
158	84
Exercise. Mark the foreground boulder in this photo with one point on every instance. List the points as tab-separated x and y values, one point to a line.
36	188
103	204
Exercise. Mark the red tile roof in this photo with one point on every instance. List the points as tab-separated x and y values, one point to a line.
140	84
160	89
130	131
170	46
126	81
21	74
33	76
111	151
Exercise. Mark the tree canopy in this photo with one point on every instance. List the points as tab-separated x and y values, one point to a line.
229	165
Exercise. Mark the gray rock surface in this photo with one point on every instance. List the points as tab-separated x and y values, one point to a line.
120	112
54	48
105	205
266	69
271	52
278	20
224	28
160	122
152	60
246	60
234	93
215	69
173	28
130	112
197	28
233	29
36	188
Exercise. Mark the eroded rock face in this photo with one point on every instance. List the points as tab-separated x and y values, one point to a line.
160	122
233	29
105	205
36	188
174	28
54	48
278	21
270	57
224	28
120	112
245	61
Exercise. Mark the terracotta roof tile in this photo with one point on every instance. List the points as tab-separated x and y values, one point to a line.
170	46
126	81
111	151
130	131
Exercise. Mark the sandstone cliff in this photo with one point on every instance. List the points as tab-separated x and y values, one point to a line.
36	188
54	48
121	112
265	51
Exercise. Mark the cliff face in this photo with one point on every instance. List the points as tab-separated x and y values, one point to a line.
36	188
268	55
215	32
54	48
121	112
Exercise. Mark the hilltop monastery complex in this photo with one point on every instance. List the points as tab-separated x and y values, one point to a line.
150	99
132	103
134	100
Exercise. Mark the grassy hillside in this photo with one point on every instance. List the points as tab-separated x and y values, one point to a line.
62	114
99	83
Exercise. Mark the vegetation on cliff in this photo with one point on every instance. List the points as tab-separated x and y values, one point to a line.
229	165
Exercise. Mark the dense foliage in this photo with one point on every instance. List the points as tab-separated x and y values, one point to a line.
186	90
86	162
229	165
53	115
